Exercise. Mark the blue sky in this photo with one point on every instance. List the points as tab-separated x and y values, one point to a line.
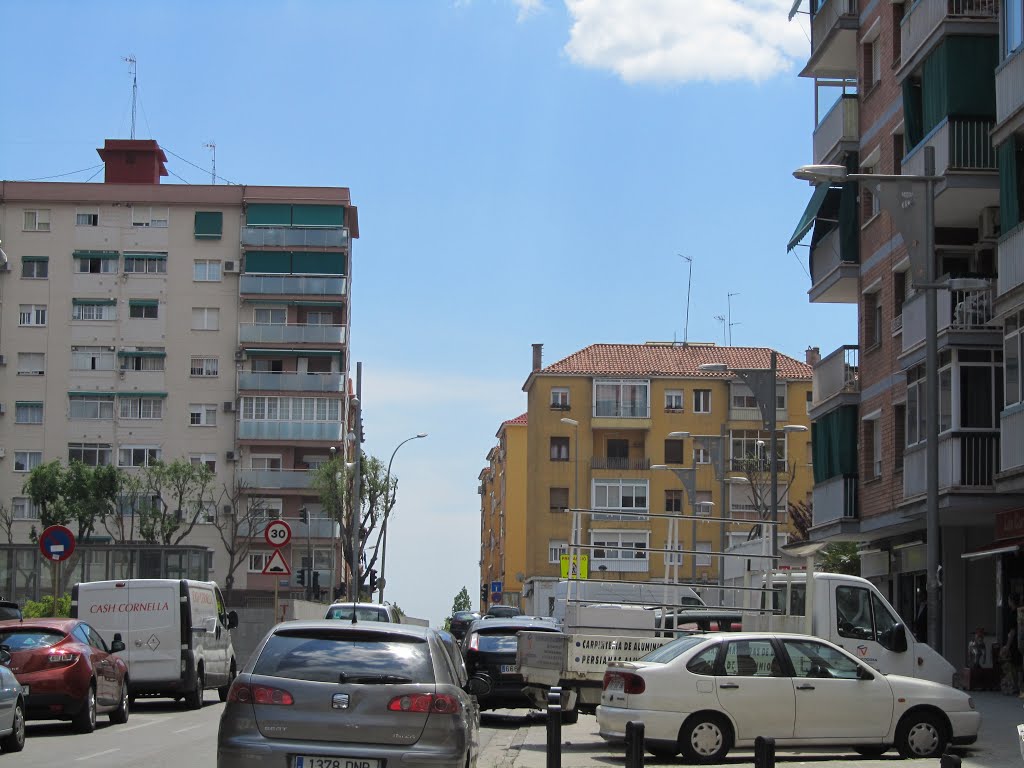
526	171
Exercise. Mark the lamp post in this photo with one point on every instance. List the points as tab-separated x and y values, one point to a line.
387	513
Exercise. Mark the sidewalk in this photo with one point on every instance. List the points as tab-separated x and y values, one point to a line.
517	741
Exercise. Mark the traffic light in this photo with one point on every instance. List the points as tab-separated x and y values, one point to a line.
483	591
316	581
301	573
373	580
304	515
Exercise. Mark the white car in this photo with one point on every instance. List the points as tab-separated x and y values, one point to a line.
702	695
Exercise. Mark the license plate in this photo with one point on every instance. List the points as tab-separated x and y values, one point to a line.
509	669
24	691
317	761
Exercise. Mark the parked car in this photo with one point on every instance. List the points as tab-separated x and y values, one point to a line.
9	610
364	612
489	649
12	707
504	611
67	671
460	622
326	693
702	695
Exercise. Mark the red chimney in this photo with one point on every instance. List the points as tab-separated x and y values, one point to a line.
131	161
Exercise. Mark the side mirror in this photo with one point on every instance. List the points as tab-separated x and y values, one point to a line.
232	619
479	685
5	655
118	644
894	639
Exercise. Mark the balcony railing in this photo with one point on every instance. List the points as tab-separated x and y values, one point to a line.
1011	430
961	144
291	333
925	15
611	462
957	311
754	414
832	14
835	499
840	125
276	478
1011	260
1010	86
836	374
289	430
966	460
292	285
295	237
757	465
292	382
609	409
620	564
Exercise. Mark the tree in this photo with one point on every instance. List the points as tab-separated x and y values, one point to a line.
45	488
7	523
181	493
801	516
237	519
78	494
462	601
840	557
122	522
756	467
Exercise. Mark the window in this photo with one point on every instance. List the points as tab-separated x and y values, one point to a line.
559	448
26	461
290	409
1014	25
91	454
702	401
748	452
149	216
861	615
751	658
560	398
673	451
814	659
36	220
270	316
22	508
141	407
1013	353
145	263
556	549
619	545
209	460
674	400
202	415
701	454
258	561
203	366
872	320
95	262
32	314
28	413
319	318
206	270
871	52
86	309
89	217
205	319
743	397
617	495
743	497
31	363
674	501
91	407
704	505
267	462
138	456
704	560
872	443
622	398
558	499
209	225
92	358
142	359
143	309
35	267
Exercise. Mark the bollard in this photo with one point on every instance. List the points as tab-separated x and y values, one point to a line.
554	728
949	761
764	752
634	744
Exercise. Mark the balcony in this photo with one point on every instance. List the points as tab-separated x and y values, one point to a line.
839	131
292	285
276	478
295	237
292	382
835	500
836	376
833	40
291	333
965	317
1011	430
1009	97
325	431
834	280
754	414
967	460
615	415
1011	261
928	21
610	462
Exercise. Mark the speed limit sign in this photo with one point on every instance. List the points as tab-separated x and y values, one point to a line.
278	533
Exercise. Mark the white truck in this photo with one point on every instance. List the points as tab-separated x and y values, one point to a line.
177	633
649	594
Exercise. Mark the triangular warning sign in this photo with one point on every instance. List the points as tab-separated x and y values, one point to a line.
276	565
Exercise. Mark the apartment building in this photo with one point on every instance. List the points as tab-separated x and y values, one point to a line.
142	321
892	79
613	430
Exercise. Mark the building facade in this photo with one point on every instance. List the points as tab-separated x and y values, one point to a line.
143	321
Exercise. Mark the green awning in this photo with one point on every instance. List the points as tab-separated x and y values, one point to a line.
136	353
91	394
209	225
318	216
143	302
333	304
144	255
18	403
268	214
94	254
256	352
94	302
35	258
810	212
794	9
142	394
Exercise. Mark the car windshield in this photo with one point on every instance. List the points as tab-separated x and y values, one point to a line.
10	612
28	639
363	613
359	657
673	649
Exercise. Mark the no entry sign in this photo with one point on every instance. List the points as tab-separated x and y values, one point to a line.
57	543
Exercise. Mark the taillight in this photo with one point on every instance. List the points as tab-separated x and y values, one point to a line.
629	682
474	642
434	703
244	693
62	658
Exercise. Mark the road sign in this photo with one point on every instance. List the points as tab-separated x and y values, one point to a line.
495	586
277	533
576	568
57	543
496	597
277	565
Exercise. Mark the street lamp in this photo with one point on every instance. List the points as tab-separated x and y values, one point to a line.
387	514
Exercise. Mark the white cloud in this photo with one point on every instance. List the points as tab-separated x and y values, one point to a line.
686	40
528	7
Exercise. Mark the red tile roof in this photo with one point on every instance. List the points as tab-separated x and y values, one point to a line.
520	419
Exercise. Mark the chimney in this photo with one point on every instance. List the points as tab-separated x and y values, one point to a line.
132	161
537	356
813	355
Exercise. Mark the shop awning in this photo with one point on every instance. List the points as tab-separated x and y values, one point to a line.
1007	547
810	212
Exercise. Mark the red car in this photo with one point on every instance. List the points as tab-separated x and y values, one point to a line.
67	671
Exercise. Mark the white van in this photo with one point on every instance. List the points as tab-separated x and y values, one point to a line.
177	633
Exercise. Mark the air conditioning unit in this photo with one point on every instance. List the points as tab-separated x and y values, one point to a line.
229	406
239	355
231	456
988	223
226	509
231	266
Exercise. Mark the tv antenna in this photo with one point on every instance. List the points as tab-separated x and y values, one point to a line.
689	283
212	146
721	319
730	322
133	67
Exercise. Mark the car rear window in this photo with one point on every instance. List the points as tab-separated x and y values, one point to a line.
328	657
28	639
504	640
362	613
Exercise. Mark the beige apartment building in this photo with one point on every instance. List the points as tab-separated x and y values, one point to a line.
142	321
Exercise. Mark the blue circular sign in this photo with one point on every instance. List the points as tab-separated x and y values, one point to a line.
57	543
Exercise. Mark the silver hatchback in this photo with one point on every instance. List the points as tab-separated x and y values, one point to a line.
330	694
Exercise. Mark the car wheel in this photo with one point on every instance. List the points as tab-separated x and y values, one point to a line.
921	734
222	692
873	751
194	699
570	716
85	720
15	740
662	750
120	715
705	738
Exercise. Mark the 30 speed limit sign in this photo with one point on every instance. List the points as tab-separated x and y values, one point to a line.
278	533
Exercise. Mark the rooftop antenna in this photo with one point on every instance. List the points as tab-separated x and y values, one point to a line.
721	319
689	283
212	146
731	323
132	65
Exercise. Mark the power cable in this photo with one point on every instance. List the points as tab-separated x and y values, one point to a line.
197	167
69	173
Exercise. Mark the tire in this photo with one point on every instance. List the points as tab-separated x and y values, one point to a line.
662	750
921	734
222	692
872	751
194	698
15	740
705	738
570	716
85	720
120	715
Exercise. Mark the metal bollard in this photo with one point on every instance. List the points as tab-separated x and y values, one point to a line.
764	752
949	761
554	728
634	744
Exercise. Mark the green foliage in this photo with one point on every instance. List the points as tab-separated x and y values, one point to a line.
44	608
840	557
77	494
462	601
183	492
